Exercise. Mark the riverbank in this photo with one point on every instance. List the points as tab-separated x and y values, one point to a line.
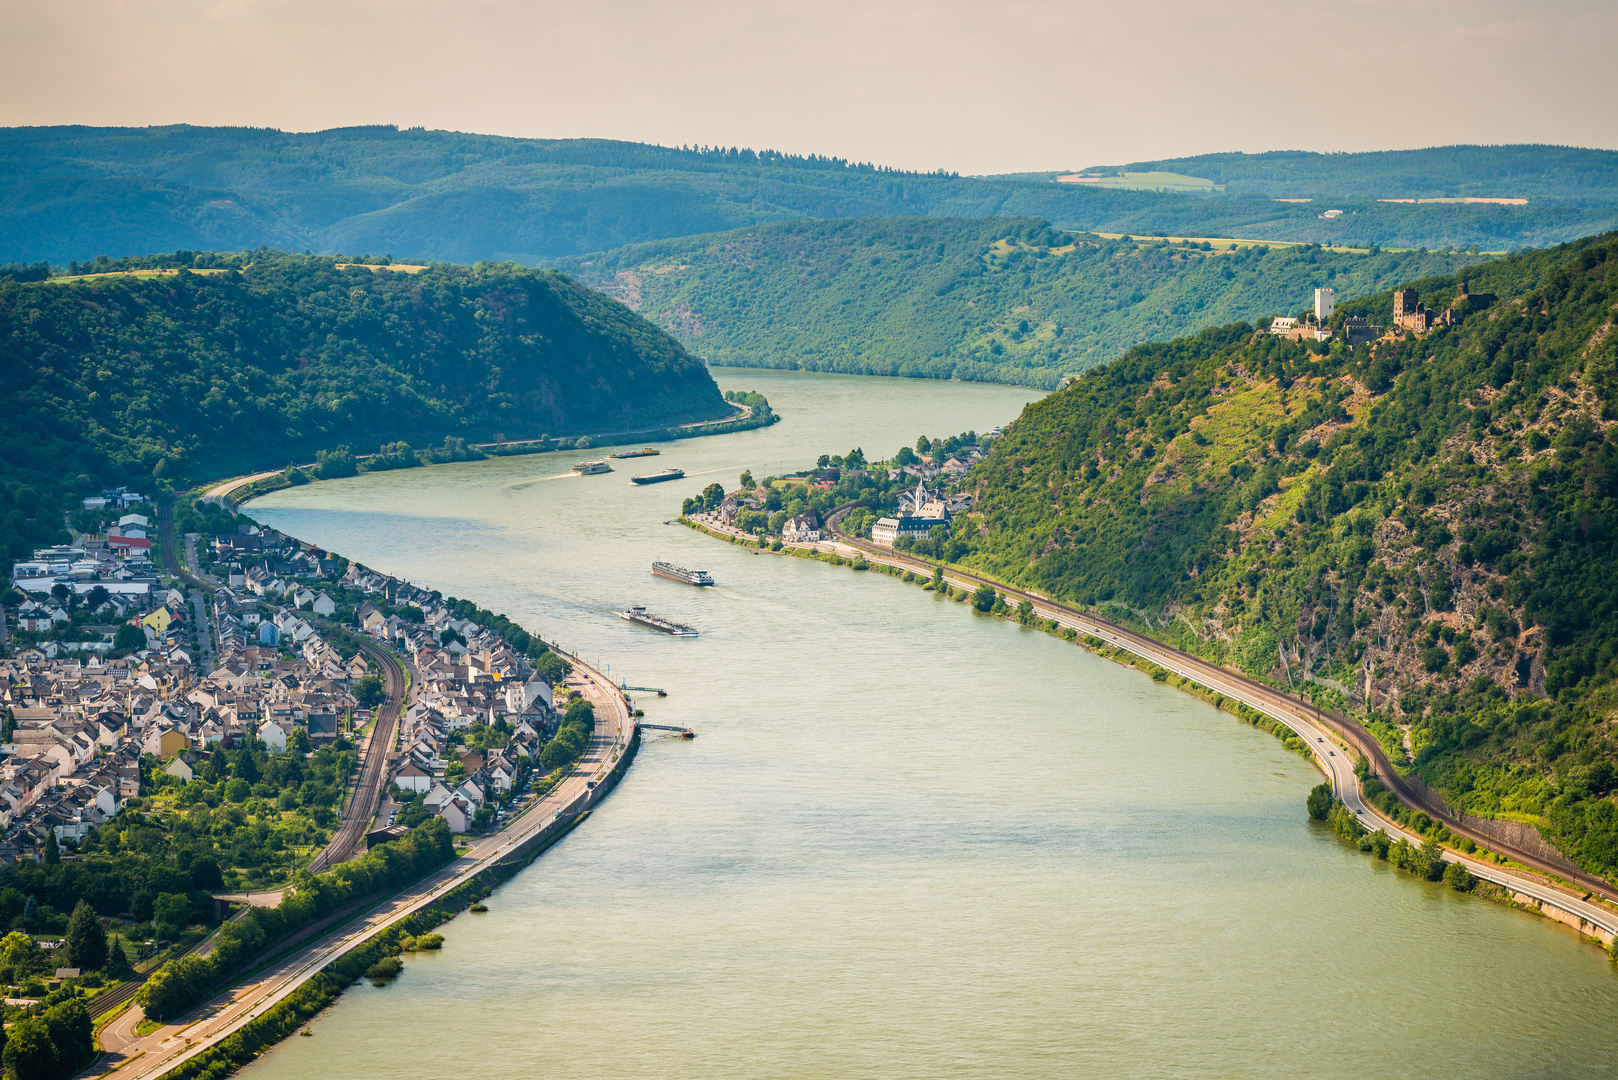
1329	741
750	411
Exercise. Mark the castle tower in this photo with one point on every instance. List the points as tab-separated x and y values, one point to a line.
1325	302
1404	302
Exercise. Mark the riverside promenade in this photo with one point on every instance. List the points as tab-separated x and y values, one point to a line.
540	824
1334	742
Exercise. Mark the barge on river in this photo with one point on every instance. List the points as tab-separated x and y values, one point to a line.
680	573
658	478
645	451
640	616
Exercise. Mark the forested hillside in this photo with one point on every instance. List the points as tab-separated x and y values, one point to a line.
1535	172
248	361
71	192
998	299
1426	531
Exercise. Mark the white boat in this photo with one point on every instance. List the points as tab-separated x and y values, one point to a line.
590	468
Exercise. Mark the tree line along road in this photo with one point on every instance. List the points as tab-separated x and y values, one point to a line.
1322	730
581	789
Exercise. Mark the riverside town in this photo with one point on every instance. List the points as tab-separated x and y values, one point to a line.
810	579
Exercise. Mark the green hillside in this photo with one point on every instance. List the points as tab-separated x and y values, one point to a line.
999	299
1535	172
75	192
1426	530
174	378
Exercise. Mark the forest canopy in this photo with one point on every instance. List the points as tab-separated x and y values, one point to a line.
247	361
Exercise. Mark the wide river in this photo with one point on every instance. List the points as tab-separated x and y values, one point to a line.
910	841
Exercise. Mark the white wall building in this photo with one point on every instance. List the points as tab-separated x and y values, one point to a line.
1325	302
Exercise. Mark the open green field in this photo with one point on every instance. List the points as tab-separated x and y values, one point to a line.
1144	181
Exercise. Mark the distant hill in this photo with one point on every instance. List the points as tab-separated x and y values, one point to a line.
71	193
998	299
1560	174
171	379
1425	530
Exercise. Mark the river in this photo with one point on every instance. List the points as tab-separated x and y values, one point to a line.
910	840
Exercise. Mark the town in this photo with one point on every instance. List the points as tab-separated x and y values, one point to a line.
122	687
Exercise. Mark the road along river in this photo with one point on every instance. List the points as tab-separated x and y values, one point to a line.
909	841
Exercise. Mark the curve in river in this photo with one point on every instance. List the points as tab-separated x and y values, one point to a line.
909	841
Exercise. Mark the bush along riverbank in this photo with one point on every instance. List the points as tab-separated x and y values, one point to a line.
343	461
410	934
182	984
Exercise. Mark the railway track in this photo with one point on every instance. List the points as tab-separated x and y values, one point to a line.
373	770
1354	735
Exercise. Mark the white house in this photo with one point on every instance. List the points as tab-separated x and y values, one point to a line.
323	604
412	777
273	736
458	813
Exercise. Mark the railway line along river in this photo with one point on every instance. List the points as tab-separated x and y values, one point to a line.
910	841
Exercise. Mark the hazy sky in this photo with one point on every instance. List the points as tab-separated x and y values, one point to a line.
978	87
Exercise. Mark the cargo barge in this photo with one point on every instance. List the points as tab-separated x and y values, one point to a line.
640	616
680	573
658	478
646	451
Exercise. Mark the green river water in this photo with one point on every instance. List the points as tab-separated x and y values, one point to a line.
910	841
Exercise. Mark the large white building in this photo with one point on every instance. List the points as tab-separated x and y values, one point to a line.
1325	302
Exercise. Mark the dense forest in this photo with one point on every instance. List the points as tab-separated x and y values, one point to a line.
248	361
997	299
1425	530
66	192
1567	174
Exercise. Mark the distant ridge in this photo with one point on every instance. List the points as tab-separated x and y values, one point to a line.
78	192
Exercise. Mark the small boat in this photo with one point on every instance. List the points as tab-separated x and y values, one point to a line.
680	573
645	451
658	478
590	468
640	616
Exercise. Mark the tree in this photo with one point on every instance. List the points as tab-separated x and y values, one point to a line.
369	692
97	596
53	850
448	635
118	966
938	577
823	461
69	1025
86	941
129	638
172	912
1319	802
1025	612
1459	878
983	597
712	496
61	592
747	478
29	1054
30	914
924	445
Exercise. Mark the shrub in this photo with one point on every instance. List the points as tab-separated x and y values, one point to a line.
1319	802
1459	878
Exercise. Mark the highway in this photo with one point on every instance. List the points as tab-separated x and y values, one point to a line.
162	1051
1334	740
